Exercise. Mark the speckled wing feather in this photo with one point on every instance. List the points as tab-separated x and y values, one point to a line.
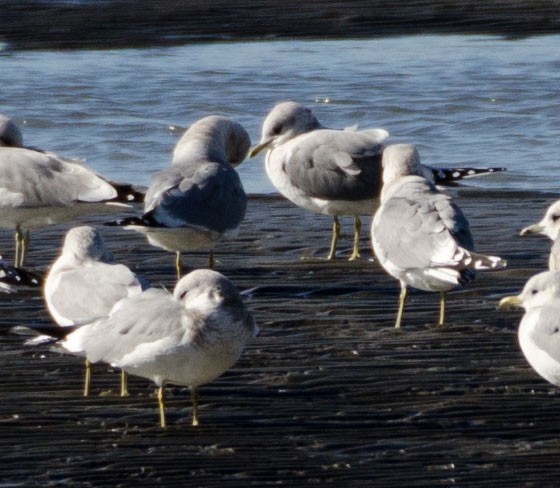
207	195
333	164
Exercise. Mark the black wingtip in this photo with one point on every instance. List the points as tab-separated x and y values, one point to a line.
126	221
127	193
451	175
19	276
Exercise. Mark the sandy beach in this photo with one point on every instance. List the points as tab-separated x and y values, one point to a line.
328	393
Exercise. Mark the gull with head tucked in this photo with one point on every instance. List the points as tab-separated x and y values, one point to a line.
84	283
331	172
39	188
420	236
186	338
199	200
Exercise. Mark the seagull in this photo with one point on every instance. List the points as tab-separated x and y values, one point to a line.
186	338
199	200
84	283
420	236
539	329
328	171
550	227
40	188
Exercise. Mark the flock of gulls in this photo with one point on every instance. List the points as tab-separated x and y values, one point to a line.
190	336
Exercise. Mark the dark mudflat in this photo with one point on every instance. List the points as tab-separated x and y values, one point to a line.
328	393
40	24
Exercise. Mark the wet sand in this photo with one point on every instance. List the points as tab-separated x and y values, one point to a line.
36	24
328	393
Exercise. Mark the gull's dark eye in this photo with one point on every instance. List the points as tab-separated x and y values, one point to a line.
534	291
276	130
183	295
555	217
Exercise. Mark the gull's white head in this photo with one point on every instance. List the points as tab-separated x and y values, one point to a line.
10	135
549	225
540	289
284	122
214	138
400	160
209	293
85	243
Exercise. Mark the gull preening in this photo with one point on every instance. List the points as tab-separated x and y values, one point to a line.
199	199
420	236
40	188
84	283
329	171
186	338
539	329
549	226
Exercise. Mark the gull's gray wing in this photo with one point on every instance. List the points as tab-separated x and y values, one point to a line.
334	164
554	258
150	319
207	195
418	226
34	178
544	330
86	294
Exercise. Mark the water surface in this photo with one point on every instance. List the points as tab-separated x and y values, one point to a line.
464	100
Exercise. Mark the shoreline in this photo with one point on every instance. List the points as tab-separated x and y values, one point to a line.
36	24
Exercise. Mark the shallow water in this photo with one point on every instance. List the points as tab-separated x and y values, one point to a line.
464	100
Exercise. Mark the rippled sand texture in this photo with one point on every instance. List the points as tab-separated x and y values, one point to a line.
329	392
104	23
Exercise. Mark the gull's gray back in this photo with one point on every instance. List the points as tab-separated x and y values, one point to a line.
417	221
333	164
201	188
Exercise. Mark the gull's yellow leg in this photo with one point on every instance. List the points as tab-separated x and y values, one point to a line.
402	300
87	378
124	383
442	299
357	231
335	236
22	245
25	247
18	239
194	398
178	265
161	403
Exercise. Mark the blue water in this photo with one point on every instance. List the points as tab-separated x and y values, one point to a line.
464	100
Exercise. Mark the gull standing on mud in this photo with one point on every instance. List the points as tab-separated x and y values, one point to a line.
39	188
199	200
419	235
188	338
84	284
538	332
550	227
329	171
